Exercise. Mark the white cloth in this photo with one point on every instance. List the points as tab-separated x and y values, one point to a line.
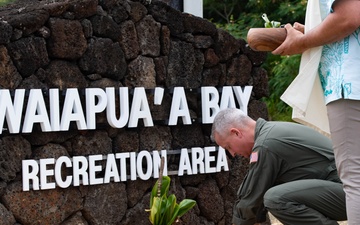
305	94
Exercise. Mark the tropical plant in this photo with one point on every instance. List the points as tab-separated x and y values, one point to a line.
268	23
164	209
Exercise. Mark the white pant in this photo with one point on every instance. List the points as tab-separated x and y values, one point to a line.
344	120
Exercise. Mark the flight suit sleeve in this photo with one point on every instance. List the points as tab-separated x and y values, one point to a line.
261	177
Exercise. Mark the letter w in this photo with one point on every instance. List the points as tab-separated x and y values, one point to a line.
13	112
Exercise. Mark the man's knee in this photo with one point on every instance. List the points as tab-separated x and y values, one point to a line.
272	198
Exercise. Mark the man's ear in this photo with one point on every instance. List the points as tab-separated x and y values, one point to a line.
235	131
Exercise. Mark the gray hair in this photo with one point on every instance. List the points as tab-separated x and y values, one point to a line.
226	119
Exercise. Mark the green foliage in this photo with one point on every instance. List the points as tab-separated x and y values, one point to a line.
5	2
282	71
163	207
268	23
239	28
219	11
248	14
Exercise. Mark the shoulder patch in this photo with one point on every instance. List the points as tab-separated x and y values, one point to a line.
254	157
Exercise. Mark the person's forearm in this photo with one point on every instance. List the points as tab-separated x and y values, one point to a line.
337	25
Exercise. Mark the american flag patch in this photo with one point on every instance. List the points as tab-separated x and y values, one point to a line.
254	157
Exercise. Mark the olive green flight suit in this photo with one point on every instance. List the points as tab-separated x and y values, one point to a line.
292	173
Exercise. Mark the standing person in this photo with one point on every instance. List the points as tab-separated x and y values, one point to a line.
339	72
292	170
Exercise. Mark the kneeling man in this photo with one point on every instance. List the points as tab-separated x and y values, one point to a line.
292	171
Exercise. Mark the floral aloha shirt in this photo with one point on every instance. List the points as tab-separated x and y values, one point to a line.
339	67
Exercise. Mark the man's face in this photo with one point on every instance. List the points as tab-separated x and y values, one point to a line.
234	143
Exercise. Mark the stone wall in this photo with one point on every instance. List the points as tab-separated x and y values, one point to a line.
117	43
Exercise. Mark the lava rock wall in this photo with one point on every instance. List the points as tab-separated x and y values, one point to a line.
118	43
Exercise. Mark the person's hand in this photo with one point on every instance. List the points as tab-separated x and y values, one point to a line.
293	43
298	26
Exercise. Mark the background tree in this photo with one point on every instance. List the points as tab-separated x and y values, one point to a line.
237	17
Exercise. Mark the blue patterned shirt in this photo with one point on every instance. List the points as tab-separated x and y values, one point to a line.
339	67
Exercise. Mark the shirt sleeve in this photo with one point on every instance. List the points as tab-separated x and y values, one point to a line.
261	177
331	8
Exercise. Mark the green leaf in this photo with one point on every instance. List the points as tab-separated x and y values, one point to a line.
169	209
155	210
174	215
164	210
268	24
275	24
185	205
164	188
264	16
